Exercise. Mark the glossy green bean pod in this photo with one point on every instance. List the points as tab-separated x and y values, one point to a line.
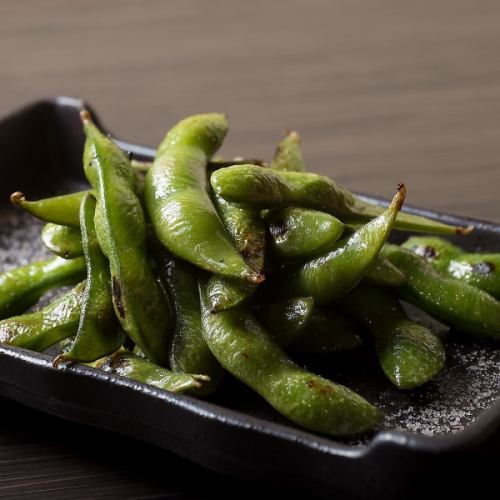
129	365
99	331
213	164
481	270
62	210
42	329
298	232
288	156
329	276
410	354
285	319
327	332
383	273
22	287
189	352
65	241
459	305
264	188
140	304
181	211
249	353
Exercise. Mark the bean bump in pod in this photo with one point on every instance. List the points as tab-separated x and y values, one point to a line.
139	302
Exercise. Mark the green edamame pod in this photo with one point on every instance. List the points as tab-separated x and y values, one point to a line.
189	352
329	276
409	353
99	331
246	229
264	188
213	164
481	270
22	287
183	216
327	332
249	353
140	304
383	273
288	155
42	329
65	241
62	210
299	232
129	365
433	249
285	319
457	304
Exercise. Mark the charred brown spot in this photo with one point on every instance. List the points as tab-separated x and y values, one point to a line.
245	355
319	387
117	297
427	252
483	268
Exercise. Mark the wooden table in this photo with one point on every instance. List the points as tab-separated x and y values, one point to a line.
380	92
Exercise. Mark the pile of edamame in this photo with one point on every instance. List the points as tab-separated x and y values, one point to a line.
191	266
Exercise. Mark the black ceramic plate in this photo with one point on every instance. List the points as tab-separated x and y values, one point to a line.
236	433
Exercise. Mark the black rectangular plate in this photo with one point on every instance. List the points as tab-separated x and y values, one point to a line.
236	432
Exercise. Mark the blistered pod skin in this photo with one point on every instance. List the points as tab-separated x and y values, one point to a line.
299	232
247	232
264	188
332	275
457	304
140	304
64	241
99	331
181	211
22	287
249	353
63	210
42	329
134	367
410	354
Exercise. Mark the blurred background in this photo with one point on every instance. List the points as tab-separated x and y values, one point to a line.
381	91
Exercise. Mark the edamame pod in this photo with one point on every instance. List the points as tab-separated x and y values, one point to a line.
183	216
285	319
329	276
383	273
189	352
246	229
65	241
327	332
288	155
99	331
409	353
481	270
140	304
129	365
459	305
299	232
249	353
63	210
22	287
264	188
41	329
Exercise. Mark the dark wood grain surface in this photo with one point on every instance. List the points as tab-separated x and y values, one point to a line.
380	91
